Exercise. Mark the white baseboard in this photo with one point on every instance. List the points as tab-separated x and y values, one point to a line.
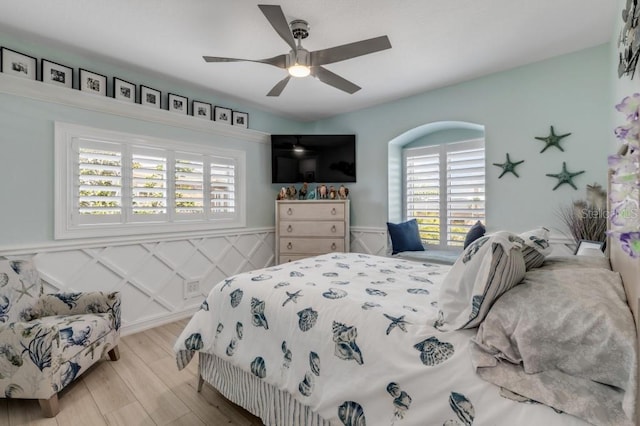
147	323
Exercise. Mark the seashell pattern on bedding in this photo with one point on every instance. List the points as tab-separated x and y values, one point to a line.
355	356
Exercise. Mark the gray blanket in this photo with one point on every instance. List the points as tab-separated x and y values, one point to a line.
565	338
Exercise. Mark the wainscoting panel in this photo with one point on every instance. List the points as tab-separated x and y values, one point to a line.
151	275
369	240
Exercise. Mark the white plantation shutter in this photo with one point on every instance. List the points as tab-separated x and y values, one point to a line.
423	192
222	184
465	189
189	184
97	181
148	184
444	190
110	183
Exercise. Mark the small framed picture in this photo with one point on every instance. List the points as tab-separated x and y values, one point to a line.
178	103
18	64
240	119
54	73
201	110
149	96
123	90
93	82
223	115
589	248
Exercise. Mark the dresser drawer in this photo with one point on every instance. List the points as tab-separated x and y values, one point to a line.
311	229
310	245
311	211
286	258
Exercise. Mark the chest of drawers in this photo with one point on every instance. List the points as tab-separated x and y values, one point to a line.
309	228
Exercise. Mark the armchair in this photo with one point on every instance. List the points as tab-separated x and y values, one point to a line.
47	341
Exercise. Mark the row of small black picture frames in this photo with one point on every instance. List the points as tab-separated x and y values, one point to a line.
25	66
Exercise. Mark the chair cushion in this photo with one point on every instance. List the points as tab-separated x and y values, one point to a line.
405	236
78	331
19	289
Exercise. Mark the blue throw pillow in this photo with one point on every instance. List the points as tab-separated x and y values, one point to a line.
476	231
405	236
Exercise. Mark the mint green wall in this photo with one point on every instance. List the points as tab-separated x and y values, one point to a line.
570	92
26	146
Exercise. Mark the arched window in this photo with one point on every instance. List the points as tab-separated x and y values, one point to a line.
439	180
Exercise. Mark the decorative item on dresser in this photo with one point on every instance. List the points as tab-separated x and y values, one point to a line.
309	228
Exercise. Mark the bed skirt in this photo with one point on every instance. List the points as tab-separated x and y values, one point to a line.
273	406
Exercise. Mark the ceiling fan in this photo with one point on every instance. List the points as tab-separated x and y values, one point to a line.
300	62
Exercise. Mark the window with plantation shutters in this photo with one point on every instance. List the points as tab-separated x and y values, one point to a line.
189	185
111	183
444	190
148	183
223	178
98	177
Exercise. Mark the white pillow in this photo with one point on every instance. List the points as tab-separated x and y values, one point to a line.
486	269
536	247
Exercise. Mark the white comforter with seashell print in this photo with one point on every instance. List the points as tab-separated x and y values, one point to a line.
352	337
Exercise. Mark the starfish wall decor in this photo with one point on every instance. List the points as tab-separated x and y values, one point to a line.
565	176
508	166
552	140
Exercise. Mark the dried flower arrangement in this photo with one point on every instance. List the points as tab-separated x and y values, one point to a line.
587	219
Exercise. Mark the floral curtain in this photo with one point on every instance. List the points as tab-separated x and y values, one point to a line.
624	195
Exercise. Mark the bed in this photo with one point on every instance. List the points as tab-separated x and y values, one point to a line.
506	336
354	339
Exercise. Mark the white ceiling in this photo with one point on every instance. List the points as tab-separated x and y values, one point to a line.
435	42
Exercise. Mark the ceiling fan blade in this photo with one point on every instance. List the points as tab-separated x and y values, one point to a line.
348	51
279	87
276	18
334	80
279	61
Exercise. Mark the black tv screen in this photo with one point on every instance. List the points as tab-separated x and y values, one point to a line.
313	158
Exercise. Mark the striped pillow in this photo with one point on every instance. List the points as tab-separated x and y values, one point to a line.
487	268
536	247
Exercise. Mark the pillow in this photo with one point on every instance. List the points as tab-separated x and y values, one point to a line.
405	236
19	290
486	269
563	332
475	232
536	247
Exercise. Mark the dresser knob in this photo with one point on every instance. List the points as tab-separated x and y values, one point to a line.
289	211
333	246
333	228
333	211
289	228
289	246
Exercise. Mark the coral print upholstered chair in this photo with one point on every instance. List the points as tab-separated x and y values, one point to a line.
47	340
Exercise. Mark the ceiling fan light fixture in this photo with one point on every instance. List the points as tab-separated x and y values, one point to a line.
297	70
299	61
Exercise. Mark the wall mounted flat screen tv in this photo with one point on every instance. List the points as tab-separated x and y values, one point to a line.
313	158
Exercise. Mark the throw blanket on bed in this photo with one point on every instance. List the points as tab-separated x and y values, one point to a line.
352	337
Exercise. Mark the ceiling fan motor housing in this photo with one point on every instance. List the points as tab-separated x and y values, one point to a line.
299	29
300	56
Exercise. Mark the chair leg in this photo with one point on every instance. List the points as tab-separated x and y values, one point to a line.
114	353
50	407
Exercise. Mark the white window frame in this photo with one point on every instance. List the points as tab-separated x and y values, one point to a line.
442	150
67	222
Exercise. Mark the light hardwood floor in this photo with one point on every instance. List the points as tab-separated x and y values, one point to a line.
144	387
